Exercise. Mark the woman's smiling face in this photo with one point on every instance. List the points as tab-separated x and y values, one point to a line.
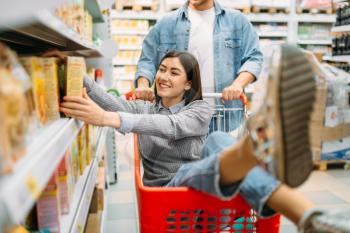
171	81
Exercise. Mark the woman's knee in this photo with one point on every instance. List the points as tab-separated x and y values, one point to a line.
219	138
217	141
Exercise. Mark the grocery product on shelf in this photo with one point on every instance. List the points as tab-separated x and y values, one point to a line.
74	15
341	45
64	185
75	69
314	4
137	5
82	150
14	111
312	31
34	69
271	3
343	15
50	69
48	207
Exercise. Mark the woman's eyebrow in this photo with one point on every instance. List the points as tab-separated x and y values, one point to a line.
175	69
163	66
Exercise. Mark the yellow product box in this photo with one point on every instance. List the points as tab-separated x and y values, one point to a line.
89	152
101	179
81	151
48	207
52	99
74	75
88	26
74	162
34	69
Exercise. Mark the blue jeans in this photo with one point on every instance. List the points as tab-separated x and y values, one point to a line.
203	175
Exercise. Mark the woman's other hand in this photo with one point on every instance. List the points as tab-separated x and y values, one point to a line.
84	109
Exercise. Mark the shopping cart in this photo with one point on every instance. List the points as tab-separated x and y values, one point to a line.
182	209
227	119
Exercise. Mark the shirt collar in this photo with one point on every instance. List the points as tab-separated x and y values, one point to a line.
173	109
218	9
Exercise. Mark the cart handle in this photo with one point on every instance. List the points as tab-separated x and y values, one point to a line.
243	97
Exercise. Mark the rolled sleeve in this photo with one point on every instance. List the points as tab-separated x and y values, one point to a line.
253	67
144	73
128	122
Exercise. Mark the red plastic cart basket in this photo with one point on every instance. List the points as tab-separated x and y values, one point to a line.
185	210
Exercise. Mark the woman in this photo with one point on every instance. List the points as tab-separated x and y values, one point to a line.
171	133
171	130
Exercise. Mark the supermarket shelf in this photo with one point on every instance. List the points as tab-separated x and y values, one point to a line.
345	28
342	58
316	18
44	31
273	34
93	6
20	189
135	15
130	32
128	47
75	221
264	17
314	42
17	12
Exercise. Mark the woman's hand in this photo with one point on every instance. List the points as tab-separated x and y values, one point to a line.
84	109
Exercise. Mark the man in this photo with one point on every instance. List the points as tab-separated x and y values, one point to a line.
223	41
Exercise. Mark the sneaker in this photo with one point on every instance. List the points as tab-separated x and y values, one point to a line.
279	125
318	221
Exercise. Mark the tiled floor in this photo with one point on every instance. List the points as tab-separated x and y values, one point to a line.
330	190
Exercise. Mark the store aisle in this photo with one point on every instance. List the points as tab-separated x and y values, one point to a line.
122	212
328	190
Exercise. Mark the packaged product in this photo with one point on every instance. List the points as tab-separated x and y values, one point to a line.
48	207
64	174
82	150
17	103
74	161
74	74
50	69
14	120
88	142
34	68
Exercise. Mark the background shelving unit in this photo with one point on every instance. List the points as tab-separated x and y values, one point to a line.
342	61
33	34
275	24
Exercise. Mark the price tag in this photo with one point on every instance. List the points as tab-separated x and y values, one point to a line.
80	228
33	187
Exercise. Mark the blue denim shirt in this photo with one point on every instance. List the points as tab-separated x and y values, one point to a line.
236	46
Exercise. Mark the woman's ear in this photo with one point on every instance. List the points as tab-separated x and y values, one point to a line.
188	85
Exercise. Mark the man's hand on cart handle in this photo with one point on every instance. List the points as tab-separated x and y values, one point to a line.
243	97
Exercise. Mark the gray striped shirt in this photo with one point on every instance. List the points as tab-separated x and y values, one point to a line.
168	138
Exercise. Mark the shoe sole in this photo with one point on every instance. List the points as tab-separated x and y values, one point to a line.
293	87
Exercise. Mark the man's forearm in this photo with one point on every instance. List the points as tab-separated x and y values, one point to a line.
243	79
143	82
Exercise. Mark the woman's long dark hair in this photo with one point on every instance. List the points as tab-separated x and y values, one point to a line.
190	64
